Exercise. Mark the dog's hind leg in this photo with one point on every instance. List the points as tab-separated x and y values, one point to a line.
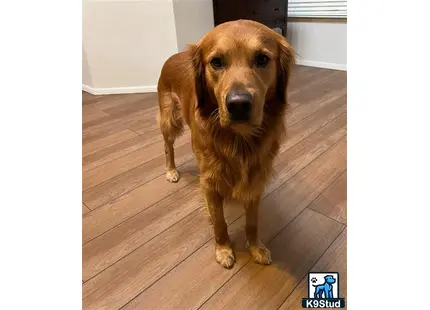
171	126
318	291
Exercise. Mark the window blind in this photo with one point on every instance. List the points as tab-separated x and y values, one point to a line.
317	8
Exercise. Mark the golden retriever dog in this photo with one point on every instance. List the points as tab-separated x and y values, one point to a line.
230	89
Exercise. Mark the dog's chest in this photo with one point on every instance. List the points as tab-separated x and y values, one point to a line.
237	169
242	177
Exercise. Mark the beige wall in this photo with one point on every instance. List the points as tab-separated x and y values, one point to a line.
319	43
86	72
126	42
193	18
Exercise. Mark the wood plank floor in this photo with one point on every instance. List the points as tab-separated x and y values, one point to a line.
147	243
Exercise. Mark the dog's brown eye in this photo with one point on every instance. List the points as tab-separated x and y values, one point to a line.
216	62
262	60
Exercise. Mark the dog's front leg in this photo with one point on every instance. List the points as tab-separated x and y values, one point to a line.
260	254
223	252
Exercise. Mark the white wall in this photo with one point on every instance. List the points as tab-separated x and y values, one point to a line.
126	42
319	43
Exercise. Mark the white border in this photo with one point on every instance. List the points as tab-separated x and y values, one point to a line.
119	90
388	156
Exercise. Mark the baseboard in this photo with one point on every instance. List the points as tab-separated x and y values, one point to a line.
326	65
119	90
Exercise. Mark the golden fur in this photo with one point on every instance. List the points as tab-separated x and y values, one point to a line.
234	158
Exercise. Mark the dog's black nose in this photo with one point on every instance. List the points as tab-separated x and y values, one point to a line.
239	106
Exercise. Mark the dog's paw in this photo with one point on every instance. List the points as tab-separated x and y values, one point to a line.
172	176
260	254
224	256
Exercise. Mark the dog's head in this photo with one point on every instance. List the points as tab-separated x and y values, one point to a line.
329	279
240	67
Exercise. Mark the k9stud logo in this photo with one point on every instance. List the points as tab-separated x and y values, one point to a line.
323	291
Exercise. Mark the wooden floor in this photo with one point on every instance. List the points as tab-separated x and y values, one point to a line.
147	243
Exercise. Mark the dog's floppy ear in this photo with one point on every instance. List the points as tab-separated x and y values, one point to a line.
285	63
199	74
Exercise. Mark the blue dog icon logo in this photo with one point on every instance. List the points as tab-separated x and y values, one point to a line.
323	291
326	288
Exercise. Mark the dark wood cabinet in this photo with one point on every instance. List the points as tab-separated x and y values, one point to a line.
272	13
